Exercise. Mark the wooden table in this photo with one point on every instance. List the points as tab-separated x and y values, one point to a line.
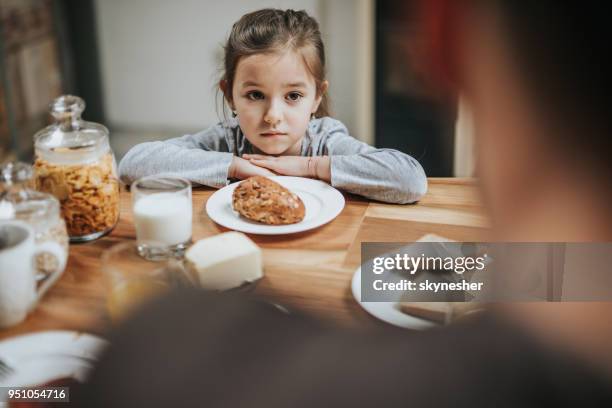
311	271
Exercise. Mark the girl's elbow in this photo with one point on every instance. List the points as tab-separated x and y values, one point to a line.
421	189
127	169
420	182
411	182
136	162
124	174
413	190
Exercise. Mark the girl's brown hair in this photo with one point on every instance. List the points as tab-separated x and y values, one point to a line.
274	30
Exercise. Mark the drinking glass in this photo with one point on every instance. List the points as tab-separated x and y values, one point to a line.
132	280
162	215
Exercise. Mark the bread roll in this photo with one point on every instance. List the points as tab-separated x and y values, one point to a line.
263	200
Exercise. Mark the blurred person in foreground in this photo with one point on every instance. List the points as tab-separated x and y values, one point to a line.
536	75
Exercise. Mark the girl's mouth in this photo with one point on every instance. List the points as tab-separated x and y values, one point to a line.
273	133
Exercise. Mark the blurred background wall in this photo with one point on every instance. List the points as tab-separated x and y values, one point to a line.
161	61
148	70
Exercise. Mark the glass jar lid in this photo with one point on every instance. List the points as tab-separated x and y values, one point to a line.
70	138
17	200
15	173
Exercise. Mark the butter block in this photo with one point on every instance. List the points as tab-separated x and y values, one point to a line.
224	261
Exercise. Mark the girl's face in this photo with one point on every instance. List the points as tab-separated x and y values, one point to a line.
274	96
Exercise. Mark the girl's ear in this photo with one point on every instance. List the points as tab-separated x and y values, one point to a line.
228	95
322	89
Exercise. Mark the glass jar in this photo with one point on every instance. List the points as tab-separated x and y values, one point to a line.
40	210
75	163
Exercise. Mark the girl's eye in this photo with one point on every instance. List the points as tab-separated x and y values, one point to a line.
255	95
294	96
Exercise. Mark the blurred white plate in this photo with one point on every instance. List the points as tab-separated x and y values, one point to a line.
388	312
49	355
323	203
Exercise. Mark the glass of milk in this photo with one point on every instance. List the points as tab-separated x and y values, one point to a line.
162	216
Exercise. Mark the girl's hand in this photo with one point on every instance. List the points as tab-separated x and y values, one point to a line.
285	165
315	167
242	169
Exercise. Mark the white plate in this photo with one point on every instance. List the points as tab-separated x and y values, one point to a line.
323	203
45	356
388	312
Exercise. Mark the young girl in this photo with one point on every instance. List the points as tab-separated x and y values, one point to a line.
274	82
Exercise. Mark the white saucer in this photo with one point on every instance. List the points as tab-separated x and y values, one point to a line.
49	355
388	312
323	203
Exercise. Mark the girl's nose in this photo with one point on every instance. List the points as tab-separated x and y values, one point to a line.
273	114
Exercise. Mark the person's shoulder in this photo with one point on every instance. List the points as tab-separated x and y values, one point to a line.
222	129
227	125
326	126
218	137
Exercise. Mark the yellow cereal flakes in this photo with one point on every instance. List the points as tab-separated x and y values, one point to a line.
88	193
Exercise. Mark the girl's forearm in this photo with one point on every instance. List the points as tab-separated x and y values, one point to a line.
382	175
199	166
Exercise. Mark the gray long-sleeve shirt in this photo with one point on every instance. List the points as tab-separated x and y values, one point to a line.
205	157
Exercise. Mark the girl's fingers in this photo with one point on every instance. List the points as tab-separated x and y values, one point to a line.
261	163
255	156
265	172
265	163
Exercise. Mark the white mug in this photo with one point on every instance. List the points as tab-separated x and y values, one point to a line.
19	291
